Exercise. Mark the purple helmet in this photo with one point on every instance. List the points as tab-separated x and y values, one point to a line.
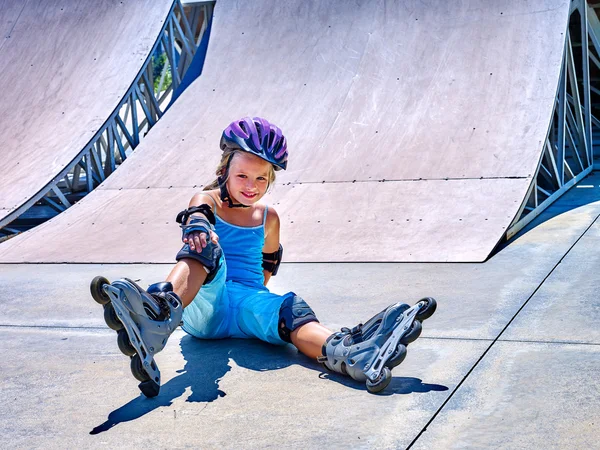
258	137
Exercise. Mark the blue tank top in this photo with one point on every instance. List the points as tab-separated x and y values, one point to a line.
243	248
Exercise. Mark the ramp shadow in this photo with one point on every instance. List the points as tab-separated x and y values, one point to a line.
207	362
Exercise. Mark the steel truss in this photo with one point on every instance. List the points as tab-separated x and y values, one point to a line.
568	154
141	107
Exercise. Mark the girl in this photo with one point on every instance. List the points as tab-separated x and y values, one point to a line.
217	289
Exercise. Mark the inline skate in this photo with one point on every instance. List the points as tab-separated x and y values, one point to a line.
368	352
143	322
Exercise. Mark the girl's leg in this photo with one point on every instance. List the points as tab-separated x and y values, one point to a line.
206	306
310	338
187	278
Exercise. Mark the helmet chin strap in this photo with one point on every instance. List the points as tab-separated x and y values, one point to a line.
225	197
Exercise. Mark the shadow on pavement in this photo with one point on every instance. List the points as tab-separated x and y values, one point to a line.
398	385
207	362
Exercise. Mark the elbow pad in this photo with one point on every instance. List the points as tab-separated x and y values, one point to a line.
271	261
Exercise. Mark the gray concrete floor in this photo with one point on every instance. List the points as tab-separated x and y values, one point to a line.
510	359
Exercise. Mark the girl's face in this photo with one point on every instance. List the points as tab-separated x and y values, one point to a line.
248	178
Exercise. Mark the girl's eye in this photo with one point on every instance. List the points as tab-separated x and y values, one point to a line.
262	178
242	176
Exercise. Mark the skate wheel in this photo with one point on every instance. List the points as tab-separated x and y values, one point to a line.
384	379
111	319
137	369
427	310
397	357
97	292
149	388
412	334
124	344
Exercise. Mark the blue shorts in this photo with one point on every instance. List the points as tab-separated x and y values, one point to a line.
229	309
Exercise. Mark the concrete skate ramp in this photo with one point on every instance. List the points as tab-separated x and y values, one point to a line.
414	130
65	67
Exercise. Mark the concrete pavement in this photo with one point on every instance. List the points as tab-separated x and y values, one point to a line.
509	359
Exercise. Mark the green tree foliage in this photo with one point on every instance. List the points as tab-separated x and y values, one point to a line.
160	63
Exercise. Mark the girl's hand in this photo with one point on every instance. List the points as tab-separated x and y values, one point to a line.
197	240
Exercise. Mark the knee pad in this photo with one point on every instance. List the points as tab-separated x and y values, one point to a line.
294	313
210	258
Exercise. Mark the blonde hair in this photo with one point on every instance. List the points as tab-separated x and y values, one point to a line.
222	167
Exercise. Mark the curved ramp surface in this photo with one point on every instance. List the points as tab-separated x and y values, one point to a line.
65	67
414	129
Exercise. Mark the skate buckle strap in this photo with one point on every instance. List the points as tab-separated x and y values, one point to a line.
356	332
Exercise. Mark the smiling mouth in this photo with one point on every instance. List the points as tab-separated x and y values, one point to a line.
249	195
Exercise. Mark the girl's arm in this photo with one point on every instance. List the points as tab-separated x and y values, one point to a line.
271	237
197	241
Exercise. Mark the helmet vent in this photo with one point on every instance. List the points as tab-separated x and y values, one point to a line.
271	137
259	131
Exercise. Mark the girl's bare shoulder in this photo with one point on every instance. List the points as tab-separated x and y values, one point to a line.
210	198
272	220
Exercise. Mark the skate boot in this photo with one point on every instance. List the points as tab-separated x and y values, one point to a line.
369	352
143	322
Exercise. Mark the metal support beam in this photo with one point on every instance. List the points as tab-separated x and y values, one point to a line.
568	154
